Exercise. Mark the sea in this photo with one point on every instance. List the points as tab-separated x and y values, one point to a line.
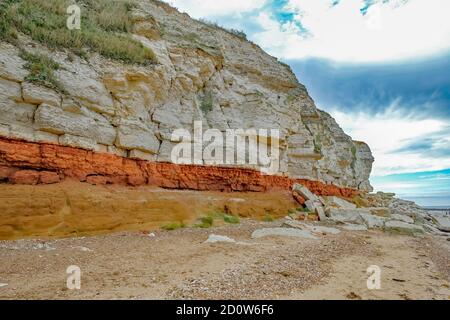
430	202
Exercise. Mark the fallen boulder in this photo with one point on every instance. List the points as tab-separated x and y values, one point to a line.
304	192
316	207
401	217
310	228
442	223
346	216
380	211
284	232
372	221
337	202
433	230
403	227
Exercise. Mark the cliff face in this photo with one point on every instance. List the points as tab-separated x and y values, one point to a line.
203	73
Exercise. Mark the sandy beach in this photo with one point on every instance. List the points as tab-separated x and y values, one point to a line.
180	265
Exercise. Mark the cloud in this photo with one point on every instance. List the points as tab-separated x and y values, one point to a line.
352	30
392	130
402	110
214	8
436	145
418	87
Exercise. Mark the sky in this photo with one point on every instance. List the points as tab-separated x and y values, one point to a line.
381	68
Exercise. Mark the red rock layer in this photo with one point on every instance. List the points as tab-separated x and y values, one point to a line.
41	163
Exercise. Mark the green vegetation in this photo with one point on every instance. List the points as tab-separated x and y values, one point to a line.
173	226
208	220
205	222
41	70
231	219
105	27
207	102
268	218
291	211
317	144
290	98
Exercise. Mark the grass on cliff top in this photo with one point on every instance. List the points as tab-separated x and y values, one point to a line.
238	33
105	27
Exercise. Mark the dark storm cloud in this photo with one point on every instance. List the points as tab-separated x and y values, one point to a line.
417	87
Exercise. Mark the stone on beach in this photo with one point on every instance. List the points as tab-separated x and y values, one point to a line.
283	232
213	238
346	216
311	228
443	223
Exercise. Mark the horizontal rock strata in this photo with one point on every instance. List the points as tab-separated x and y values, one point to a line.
24	162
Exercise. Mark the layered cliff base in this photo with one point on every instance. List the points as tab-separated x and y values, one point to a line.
24	162
76	209
52	190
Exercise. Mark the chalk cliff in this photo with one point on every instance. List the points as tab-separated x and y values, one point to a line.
201	73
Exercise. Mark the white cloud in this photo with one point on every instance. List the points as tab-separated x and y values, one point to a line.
392	30
391	131
213	8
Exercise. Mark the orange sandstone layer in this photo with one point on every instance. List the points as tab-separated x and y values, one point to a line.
41	163
73	208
